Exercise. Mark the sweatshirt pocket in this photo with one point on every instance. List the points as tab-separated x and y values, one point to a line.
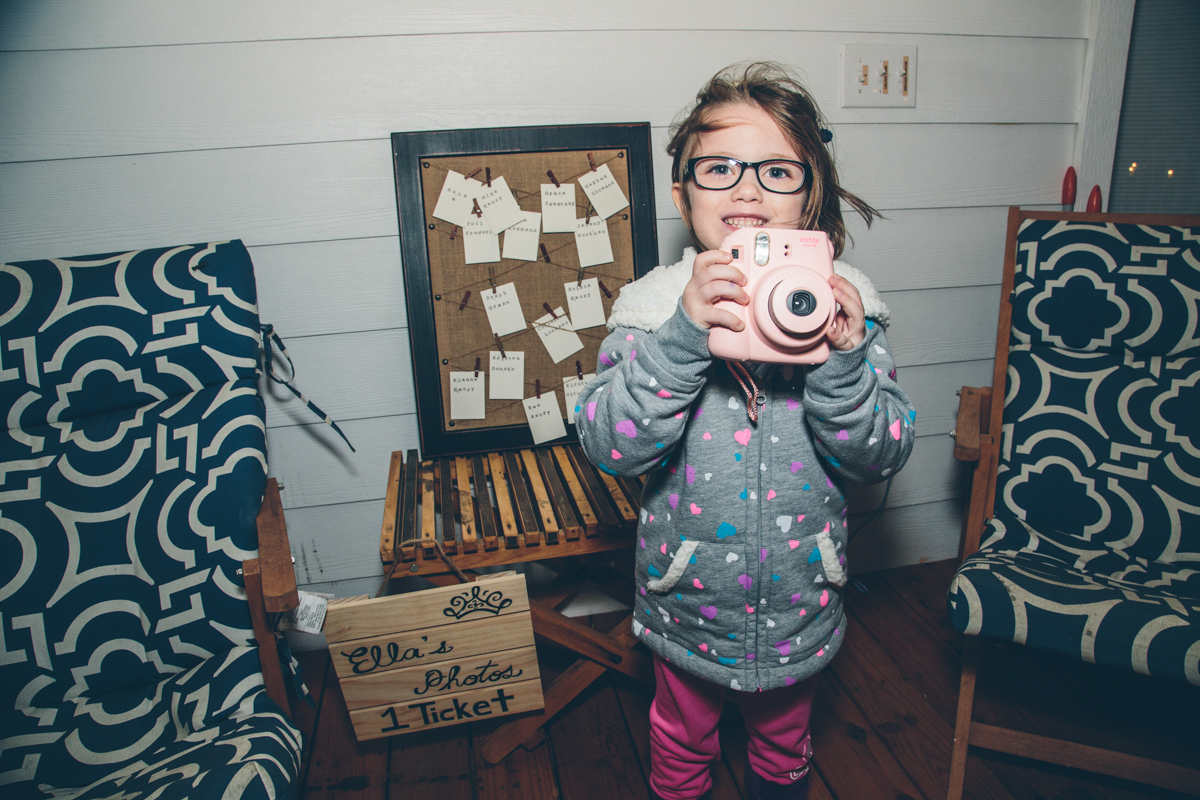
830	560
675	571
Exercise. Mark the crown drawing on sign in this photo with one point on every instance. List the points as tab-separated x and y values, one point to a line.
477	600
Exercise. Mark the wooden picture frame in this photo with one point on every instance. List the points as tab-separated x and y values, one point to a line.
449	328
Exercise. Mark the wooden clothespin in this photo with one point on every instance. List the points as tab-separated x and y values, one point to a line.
579	278
488	172
477	367
492	277
545	253
550	173
604	289
591	163
463	304
453	232
500	346
476	172
538	388
549	310
579	370
478	212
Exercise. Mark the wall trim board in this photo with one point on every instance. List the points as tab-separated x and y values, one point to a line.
1110	24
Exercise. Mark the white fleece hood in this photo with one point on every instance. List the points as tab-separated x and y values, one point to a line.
650	301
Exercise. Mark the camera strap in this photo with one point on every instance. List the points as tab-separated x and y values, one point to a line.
743	377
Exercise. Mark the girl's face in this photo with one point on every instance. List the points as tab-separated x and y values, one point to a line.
746	133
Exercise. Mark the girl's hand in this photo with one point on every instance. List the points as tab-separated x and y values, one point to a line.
849	325
713	279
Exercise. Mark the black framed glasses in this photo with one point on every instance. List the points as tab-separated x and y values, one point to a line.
777	175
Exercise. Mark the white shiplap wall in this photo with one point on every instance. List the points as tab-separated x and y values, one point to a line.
139	123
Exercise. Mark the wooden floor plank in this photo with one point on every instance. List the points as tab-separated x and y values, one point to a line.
862	765
523	775
431	765
596	758
915	731
930	663
881	724
341	767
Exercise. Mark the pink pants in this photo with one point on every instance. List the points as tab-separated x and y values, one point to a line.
683	731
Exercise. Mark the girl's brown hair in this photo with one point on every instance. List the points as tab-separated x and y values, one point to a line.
770	87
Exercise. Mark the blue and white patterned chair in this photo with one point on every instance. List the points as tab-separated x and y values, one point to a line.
131	475
1083	529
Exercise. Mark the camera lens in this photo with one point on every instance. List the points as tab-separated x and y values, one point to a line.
802	303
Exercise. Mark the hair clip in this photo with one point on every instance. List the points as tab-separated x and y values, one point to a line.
826	135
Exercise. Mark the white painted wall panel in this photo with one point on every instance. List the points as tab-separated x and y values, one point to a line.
138	123
318	469
345	190
347	375
151	99
67	24
907	535
336	286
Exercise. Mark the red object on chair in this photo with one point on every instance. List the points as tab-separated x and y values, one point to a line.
1068	190
1095	205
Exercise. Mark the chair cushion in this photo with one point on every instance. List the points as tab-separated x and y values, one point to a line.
1051	591
1107	288
174	319
1094	550
1100	446
207	729
131	475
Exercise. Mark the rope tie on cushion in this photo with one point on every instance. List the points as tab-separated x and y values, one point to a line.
270	340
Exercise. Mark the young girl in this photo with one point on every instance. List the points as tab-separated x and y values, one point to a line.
741	542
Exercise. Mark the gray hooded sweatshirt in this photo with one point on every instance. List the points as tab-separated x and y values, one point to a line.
741	541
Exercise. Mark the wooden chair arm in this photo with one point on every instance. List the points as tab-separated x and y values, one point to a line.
275	554
271	588
972	420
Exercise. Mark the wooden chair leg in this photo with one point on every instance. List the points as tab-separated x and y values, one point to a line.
962	726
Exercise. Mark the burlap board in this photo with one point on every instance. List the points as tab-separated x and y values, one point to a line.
463	333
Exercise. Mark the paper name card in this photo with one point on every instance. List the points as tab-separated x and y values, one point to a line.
503	309
587	309
591	239
601	188
545	417
558	335
435	657
499	206
572	388
558	208
480	244
455	203
507	371
521	240
467	396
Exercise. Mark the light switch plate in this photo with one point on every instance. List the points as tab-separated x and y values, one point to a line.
879	76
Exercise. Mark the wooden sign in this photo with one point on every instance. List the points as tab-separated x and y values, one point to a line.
436	657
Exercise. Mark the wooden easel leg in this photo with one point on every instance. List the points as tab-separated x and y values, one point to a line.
962	726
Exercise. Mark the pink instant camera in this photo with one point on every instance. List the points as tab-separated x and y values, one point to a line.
791	302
